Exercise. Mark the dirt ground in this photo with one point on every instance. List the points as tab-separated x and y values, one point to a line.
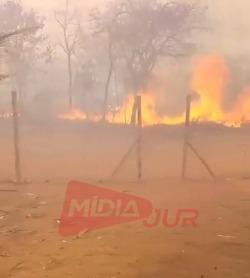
55	153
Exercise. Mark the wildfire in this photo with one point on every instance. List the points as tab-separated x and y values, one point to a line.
8	115
74	115
149	112
210	80
241	112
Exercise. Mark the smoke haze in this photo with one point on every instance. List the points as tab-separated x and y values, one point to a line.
230	20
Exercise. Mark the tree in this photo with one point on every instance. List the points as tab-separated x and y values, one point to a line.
6	36
9	35
68	23
22	39
140	32
106	24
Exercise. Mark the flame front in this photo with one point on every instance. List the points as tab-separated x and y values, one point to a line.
73	115
210	80
8	115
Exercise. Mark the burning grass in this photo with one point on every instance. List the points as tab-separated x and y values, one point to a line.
210	80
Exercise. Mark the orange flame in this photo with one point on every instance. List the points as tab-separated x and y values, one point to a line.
241	112
149	112
8	115
210	80
74	115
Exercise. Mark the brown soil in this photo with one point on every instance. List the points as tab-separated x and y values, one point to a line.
31	247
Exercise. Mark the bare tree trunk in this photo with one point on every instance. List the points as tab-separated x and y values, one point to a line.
116	86
20	96
107	85
70	82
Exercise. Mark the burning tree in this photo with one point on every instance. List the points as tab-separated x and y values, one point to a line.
139	33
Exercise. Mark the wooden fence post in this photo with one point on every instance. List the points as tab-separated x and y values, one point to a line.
186	138
139	143
16	137
189	146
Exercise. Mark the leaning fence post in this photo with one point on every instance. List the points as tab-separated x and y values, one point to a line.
16	137
137	144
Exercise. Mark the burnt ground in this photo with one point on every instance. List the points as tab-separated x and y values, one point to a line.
55	153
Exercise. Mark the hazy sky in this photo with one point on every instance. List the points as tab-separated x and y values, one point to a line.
46	6
234	9
231	19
